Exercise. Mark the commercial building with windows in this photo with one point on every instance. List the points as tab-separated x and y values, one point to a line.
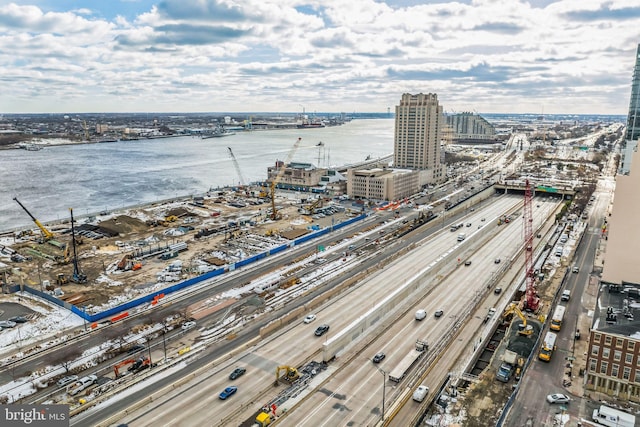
633	119
418	133
470	127
382	183
613	364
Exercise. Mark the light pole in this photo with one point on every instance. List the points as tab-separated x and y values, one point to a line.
384	387
164	342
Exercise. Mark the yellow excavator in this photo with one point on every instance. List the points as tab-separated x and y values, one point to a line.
291	374
523	328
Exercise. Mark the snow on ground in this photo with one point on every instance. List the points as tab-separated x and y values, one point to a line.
47	324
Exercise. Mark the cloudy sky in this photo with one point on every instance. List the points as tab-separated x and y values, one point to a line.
491	56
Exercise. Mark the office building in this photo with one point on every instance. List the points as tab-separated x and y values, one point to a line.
633	119
469	127
382	183
418	134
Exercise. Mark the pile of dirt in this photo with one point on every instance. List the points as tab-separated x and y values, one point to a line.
124	224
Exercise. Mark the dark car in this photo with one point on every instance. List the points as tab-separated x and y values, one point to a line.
497	290
467	263
438	313
228	392
321	330
378	357
238	372
18	319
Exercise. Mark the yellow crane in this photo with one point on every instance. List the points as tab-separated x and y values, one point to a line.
46	234
523	328
278	177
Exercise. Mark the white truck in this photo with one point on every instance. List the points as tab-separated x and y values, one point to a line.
612	417
82	384
398	373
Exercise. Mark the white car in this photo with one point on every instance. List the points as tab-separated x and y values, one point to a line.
67	380
420	393
310	318
558	398
188	325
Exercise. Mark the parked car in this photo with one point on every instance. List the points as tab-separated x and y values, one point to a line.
228	392
438	313
67	380
238	372
18	319
558	398
321	330
379	357
188	325
310	318
7	324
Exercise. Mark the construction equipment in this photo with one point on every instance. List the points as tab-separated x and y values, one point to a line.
237	166
116	368
61	279
78	275
523	328
278	177
46	234
291	374
531	296
263	419
311	208
140	365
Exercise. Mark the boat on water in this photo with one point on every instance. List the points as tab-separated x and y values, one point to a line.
218	132
30	146
310	125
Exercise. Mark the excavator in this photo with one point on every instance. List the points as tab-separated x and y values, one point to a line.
137	365
291	374
523	328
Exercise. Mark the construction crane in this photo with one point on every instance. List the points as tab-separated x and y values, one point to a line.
78	275
531	296
237	166
523	328
46	234
278	177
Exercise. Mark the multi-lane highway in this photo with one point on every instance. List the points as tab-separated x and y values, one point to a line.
354	392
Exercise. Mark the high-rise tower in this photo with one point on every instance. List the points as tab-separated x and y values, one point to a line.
633	120
419	124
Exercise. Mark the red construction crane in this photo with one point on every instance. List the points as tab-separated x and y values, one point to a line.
532	301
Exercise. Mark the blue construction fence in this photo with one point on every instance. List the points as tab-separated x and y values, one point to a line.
114	311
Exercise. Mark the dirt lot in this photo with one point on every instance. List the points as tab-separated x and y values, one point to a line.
125	259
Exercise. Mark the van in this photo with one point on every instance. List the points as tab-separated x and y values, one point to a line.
566	295
461	237
420	314
559	252
420	393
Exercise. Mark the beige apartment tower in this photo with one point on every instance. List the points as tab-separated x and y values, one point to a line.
419	124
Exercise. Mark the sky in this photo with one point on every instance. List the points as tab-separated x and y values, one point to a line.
491	56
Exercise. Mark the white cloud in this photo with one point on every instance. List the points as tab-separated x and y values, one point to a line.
485	55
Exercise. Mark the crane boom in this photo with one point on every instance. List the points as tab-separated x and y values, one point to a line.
278	177
237	166
532	300
48	235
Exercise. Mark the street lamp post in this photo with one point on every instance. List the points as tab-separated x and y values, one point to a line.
164	342
384	387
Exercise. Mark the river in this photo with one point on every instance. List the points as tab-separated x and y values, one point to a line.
94	177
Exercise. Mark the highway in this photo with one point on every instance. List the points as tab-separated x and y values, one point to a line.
297	344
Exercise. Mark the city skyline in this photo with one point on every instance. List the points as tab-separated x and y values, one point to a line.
542	56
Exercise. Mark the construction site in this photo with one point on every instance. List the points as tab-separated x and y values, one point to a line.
108	258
